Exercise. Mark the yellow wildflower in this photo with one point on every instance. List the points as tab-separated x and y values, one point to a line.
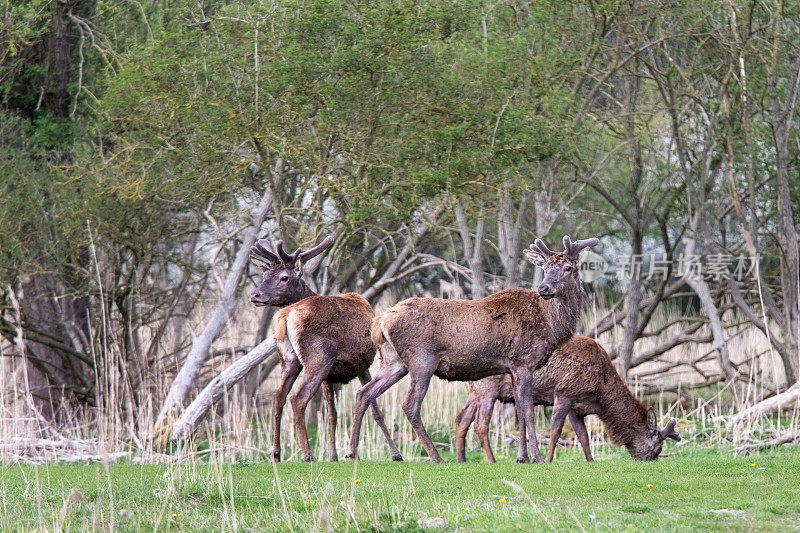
502	500
650	486
358	480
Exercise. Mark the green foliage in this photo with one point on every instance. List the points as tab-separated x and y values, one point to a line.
49	132
24	25
376	109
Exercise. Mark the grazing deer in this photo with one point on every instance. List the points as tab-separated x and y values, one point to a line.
579	380
511	332
328	336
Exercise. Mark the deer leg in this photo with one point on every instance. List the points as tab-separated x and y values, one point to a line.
533	440
580	431
290	369
463	421
523	403
378	416
386	377
560	410
485	410
313	378
420	380
330	397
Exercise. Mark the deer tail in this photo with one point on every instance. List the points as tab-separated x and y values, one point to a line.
376	333
279	325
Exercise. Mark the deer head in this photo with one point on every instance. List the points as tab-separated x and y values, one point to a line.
560	268
281	281
647	446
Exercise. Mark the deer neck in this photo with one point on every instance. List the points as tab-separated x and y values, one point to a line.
623	416
305	291
561	316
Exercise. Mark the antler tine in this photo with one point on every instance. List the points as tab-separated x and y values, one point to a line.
261	256
318	249
286	258
567	245
573	249
585	243
539	246
260	251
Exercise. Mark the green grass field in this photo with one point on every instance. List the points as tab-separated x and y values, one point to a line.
693	489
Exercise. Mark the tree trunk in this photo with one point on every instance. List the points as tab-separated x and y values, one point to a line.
58	61
783	114
636	220
217	387
199	352
700	287
55	344
632	303
473	251
543	223
509	235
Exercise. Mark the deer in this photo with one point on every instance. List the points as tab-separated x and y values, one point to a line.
578	380
327	336
513	332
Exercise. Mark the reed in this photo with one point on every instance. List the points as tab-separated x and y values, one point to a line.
680	384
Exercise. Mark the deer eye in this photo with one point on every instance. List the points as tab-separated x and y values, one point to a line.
285	277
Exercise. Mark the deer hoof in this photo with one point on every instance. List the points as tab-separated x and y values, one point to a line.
397	457
308	458
276	456
349	455
523	460
334	457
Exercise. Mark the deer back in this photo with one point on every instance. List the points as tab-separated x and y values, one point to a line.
473	338
337	324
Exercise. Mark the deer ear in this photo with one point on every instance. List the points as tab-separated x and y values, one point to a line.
535	257
651	419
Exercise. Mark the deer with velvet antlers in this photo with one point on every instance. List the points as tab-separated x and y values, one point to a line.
327	336
511	332
578	380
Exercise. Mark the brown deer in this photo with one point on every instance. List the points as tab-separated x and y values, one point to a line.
511	332
328	336
580	380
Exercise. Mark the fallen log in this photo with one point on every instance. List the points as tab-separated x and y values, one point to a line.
788	399
786	438
42	450
190	418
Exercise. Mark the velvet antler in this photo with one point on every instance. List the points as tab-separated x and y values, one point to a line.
318	249
261	256
669	432
573	249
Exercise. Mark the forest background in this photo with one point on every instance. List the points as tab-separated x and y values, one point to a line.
144	146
